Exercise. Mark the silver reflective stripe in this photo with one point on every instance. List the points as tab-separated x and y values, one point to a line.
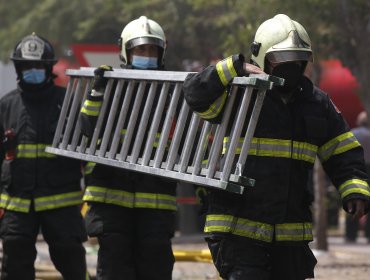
15	203
57	201
33	151
277	148
338	145
257	230
215	109
239	226
354	186
111	196
91	108
293	232
156	201
226	71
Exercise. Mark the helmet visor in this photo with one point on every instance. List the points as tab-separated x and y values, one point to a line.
285	56
145	41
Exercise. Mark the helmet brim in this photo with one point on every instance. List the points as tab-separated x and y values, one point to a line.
145	41
287	56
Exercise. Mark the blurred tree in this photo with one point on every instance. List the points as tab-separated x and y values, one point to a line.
196	29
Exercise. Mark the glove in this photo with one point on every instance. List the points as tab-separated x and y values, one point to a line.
100	82
251	69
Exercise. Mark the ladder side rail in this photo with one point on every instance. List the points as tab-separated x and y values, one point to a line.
132	121
101	117
117	136
77	133
148	75
190	178
166	129
76	97
189	142
263	82
250	131
84	139
152	135
216	147
111	117
143	122
63	113
179	131
235	134
202	147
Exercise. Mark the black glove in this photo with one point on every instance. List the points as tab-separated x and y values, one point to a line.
100	82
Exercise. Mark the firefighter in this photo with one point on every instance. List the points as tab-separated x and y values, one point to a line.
264	233
362	134
39	191
131	214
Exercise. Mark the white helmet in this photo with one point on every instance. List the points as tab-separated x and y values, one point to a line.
281	39
139	32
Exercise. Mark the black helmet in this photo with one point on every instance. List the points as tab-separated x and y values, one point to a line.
34	48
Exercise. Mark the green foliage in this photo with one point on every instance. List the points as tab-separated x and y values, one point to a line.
195	29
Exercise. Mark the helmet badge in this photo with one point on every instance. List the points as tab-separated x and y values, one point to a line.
32	48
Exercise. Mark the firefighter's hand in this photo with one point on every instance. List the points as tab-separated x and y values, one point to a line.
357	207
100	81
2	212
251	69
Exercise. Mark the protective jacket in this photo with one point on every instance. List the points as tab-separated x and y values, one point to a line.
33	176
288	138
118	186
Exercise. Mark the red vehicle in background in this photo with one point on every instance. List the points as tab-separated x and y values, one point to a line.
342	87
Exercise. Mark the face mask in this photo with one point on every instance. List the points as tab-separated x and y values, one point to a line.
144	62
292	74
34	76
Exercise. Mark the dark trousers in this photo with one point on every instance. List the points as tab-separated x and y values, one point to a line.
242	259
63	230
134	244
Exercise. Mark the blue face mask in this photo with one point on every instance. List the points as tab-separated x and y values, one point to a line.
34	76
144	62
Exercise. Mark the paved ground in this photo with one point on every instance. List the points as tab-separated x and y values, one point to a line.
342	262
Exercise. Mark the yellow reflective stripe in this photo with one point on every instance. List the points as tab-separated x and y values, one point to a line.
89	167
239	226
110	196
254	230
15	203
225	70
276	148
155	200
257	230
338	145
58	200
354	186
33	151
218	223
91	108
304	151
215	108
123	134
294	232
156	141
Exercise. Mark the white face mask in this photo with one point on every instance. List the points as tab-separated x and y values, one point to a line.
34	76
144	62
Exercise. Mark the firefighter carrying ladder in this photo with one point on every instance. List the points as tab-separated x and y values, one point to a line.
162	136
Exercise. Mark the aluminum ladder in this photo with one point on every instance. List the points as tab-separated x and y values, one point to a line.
188	149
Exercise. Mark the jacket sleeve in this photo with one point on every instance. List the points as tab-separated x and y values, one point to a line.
89	114
343	158
206	91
